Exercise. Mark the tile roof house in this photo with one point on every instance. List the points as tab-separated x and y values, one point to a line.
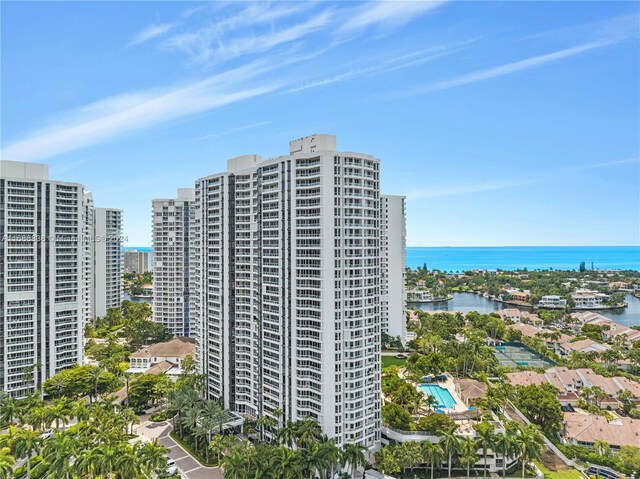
574	380
470	390
585	429
164	357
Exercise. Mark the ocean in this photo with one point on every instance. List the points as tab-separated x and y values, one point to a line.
515	257
519	257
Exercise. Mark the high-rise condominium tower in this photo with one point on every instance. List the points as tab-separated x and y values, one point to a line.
107	273
41	276
137	262
286	267
393	259
88	258
171	261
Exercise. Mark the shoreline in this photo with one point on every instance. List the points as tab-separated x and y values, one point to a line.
524	306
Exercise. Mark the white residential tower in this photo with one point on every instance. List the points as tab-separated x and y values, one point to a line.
171	262
286	289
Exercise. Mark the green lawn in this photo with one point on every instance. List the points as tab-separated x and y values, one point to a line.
565	474
392	361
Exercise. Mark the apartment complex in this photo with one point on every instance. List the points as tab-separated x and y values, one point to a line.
137	262
107	273
286	290
171	261
41	276
88	258
393	232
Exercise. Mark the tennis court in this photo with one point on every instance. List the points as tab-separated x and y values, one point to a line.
513	355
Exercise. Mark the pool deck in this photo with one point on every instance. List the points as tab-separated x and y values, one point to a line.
459	406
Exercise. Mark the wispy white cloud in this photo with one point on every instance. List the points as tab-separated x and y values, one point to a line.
122	114
387	13
151	32
509	68
214	42
605	164
159	29
230	131
403	61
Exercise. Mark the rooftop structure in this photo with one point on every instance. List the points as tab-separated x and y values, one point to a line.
585	429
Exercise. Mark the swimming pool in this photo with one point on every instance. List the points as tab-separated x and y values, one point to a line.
442	395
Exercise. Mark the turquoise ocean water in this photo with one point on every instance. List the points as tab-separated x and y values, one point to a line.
518	257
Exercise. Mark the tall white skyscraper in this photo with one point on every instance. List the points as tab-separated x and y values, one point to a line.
171	261
88	258
286	268
41	276
393	259
107	273
134	261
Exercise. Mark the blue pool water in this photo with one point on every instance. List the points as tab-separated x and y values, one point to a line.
442	395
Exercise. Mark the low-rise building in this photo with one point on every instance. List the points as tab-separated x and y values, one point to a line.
611	329
519	296
582	346
552	301
575	380
586	429
164	357
586	299
470	390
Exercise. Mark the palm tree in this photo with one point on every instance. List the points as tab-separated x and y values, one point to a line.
191	419
81	412
313	461
107	459
450	443
57	451
7	462
506	444
353	454
331	453
8	407
287	434
234	466
529	445
432	453
26	442
86	462
37	417
206	428
468	453
153	456
217	445
288	464
128	415
485	438
307	431
265	422
58	412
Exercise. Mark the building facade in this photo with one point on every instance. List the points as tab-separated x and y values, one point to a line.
107	282
286	293
88	258
393	259
137	262
171	264
41	276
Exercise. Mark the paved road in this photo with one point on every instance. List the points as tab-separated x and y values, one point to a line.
188	466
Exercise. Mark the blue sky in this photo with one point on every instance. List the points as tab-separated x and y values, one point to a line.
507	123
